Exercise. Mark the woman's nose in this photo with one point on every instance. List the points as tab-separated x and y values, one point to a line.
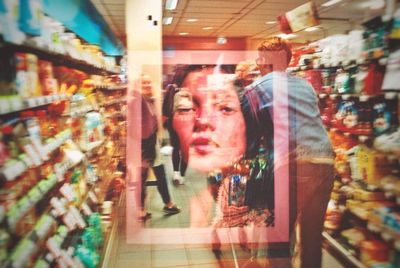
205	120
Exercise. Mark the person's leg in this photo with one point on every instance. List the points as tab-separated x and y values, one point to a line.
162	187
143	215
176	159
183	167
314	194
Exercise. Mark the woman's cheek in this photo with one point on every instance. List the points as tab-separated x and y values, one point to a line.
184	129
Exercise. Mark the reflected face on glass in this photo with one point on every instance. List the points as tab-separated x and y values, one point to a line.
147	86
209	122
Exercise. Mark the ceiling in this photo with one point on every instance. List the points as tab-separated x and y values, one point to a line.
242	18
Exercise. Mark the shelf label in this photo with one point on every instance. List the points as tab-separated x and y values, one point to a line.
13	170
30	151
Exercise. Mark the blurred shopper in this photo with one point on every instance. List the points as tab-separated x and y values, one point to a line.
151	151
171	103
310	156
246	72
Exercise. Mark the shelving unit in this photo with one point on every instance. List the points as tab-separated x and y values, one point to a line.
359	116
57	165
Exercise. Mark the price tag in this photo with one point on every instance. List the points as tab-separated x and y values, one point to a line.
68	260
40	149
67	191
53	247
69	221
49	99
9	171
77	263
92	196
78	217
24	158
86	209
31	102
41	100
32	154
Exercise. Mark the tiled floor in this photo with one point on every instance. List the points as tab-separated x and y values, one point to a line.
183	254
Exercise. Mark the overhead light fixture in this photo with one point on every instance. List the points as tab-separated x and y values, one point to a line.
207	28
167	20
171	4
221	40
311	29
192	20
287	36
183	33
331	3
270	22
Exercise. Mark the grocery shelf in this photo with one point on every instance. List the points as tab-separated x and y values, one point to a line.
116	101
16	167
112	87
55	58
33	103
344	253
110	236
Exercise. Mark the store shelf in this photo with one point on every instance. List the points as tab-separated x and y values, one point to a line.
31	103
110	236
80	111
116	101
114	87
56	58
115	114
342	251
15	167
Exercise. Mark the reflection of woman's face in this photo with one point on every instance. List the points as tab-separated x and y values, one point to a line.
212	133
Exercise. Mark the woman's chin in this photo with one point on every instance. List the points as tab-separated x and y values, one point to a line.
208	162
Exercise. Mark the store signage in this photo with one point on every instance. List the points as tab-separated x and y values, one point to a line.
298	19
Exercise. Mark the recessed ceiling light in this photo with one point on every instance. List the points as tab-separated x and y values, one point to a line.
270	22
207	28
171	4
287	36
167	20
331	3
183	33
192	20
311	29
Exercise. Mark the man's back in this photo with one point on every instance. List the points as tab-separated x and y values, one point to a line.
306	131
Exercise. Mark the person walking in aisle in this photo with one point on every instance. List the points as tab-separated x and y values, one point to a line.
151	151
173	100
310	156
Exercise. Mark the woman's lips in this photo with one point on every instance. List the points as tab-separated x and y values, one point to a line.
203	145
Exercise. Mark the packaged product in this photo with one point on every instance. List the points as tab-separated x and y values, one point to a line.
373	251
382	117
354	236
342	82
49	84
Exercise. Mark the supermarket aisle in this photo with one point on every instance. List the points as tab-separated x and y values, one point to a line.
181	255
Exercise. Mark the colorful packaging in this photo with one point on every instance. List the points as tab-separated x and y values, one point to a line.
382	117
342	82
237	190
373	251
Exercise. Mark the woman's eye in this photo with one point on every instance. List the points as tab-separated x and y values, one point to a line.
226	109
185	110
